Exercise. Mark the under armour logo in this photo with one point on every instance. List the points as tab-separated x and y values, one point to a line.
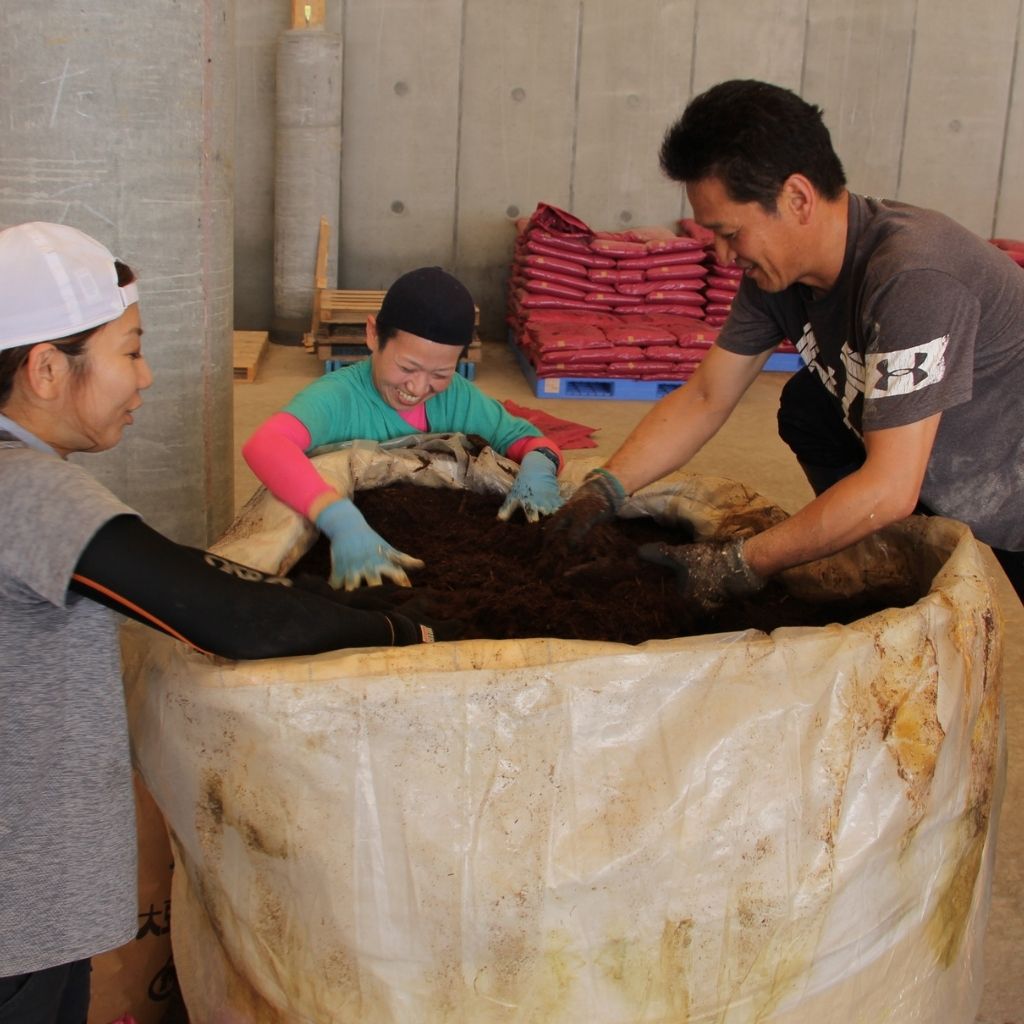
917	373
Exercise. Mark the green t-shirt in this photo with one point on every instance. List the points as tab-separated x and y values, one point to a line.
345	406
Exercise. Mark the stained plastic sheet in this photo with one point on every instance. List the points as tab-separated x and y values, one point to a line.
732	828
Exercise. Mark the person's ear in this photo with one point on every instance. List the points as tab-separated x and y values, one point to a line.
46	369
372	342
799	197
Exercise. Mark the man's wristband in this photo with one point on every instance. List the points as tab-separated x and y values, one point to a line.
745	577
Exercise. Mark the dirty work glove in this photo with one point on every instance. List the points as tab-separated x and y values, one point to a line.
358	552
597	500
535	490
709	573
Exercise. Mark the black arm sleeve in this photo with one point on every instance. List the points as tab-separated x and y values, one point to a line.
218	606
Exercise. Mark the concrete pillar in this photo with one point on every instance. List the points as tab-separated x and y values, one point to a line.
117	119
307	169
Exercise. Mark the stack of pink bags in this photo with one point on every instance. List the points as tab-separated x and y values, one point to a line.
638	305
631	346
626	305
560	263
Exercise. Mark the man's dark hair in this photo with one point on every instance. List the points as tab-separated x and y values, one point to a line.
752	136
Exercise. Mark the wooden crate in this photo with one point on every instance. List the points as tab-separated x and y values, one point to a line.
347	306
249	349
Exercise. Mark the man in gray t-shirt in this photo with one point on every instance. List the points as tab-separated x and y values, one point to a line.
911	328
924	319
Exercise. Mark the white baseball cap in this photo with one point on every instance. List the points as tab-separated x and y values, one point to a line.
55	281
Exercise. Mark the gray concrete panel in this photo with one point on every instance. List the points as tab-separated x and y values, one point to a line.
307	180
517	125
119	123
401	138
1009	221
762	40
635	67
857	69
956	122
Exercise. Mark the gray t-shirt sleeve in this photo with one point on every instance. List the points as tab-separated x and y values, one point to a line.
49	511
919	331
751	327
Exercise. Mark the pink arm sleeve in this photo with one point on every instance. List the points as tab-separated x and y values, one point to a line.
276	453
518	450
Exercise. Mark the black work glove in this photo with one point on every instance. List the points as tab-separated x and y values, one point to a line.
408	609
597	500
423	630
709	573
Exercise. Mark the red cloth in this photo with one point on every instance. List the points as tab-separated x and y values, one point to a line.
565	433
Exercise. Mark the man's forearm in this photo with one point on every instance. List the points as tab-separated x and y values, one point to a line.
885	489
847	512
685	420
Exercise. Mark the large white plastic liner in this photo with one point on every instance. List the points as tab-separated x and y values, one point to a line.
734	828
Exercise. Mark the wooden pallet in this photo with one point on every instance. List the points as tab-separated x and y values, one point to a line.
249	349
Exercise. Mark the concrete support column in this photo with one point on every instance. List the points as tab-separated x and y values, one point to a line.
307	178
118	121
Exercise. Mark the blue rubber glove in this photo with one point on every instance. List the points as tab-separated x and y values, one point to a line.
358	552
535	490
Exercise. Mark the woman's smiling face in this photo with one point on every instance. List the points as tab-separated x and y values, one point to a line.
408	369
101	398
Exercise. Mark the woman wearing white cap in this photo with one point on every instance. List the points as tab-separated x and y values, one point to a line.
71	378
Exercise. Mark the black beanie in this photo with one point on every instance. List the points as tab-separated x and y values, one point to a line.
431	304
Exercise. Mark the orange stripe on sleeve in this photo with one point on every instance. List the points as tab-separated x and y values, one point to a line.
141	612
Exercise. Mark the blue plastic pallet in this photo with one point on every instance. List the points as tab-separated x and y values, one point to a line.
466	368
619	388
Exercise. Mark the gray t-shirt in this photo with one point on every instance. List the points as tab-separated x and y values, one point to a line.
924	317
68	886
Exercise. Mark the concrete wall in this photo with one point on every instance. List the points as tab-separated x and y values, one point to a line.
459	115
118	120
